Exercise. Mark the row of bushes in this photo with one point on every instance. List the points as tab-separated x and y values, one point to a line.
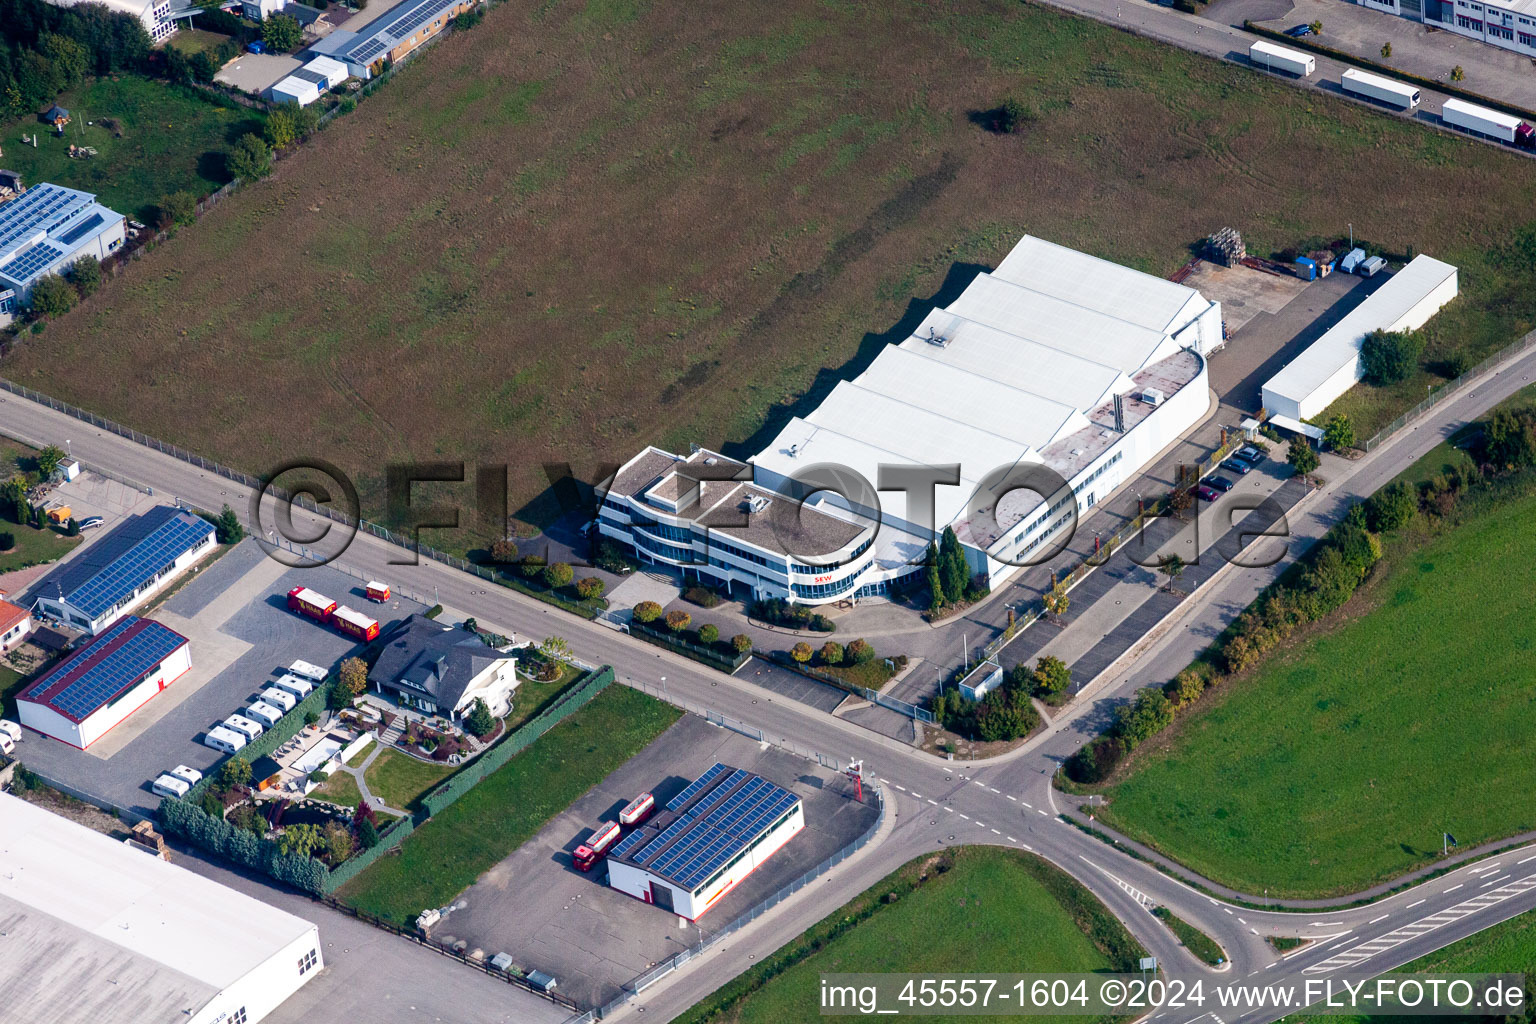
778	612
1321	582
703	645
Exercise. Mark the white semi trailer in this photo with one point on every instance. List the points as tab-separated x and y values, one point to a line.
1285	61
1469	117
1382	90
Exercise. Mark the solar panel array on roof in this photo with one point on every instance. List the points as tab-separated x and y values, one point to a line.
140	646
139	564
404	26
628	843
40	208
82	229
365	53
30	261
312	77
696	785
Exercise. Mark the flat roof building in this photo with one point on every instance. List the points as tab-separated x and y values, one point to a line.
46	229
105	681
1056	359
97	930
716	832
1330	366
118	572
391	36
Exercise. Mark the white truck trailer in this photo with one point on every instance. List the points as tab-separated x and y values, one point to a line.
1278	58
1469	117
1365	85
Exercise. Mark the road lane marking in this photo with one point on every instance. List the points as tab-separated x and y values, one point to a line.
1458	885
1026	803
900	787
1228	911
1531	857
949	810
967	817
1412	905
1011	839
1269	965
1013	798
1326	924
933	801
917	794
1039	811
996	832
1383	917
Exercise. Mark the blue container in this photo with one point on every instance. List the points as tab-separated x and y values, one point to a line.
256	47
1306	268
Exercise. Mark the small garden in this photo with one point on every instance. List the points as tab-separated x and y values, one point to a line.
1007	712
401	780
853	666
29	538
675	631
554	582
778	612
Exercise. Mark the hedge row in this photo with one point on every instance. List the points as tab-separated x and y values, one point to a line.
726	663
286	729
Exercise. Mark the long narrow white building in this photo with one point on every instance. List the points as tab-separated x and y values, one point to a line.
1056	359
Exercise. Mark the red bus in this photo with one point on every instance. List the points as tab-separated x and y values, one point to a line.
637	810
590	852
310	604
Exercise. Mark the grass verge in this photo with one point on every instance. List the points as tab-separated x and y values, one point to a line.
990	908
445	856
1196	941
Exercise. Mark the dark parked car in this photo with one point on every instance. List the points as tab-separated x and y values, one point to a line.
91	522
1251	455
1207	492
1219	482
1238	466
1297	31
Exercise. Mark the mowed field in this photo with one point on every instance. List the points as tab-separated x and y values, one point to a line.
582	227
993	909
1341	761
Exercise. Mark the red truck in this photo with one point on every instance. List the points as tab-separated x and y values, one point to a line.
311	604
590	852
355	624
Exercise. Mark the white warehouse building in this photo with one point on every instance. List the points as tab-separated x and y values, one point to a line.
97	930
1330	366
1056	359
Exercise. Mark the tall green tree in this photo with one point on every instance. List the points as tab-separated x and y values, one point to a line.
954	572
53	296
935	580
1301	456
48	460
281	33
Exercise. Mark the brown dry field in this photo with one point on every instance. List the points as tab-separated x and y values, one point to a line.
578	228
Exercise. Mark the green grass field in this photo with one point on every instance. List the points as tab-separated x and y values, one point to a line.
174	138
10	685
1196	941
33	546
400	780
584	228
1339	762
446	855
340	788
992	910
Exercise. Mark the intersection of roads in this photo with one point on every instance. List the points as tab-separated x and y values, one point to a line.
1007	800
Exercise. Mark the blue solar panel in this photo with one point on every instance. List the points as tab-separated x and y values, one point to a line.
365	53
32	261
413	20
628	843
666	834
696	785
118	670
139	564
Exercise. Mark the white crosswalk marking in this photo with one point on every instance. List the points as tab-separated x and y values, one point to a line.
1364	951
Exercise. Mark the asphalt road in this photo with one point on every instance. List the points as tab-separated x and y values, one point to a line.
932	803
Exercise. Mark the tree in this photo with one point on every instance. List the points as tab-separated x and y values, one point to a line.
1004	716
504	552
954	572
709	633
281	33
337	839
1145	717
831	653
1391	508
1051	676
363	813
1386	49
71	61
367	834
13	494
1013	116
1316	27
590	588
1301	456
1173	567
555	649
559	574
249	158
647	611
227	528
859	651
236	772
300	840
1509	439
678	620
480	721
352	677
531	565
53	296
1187	686
1387	357
288	124
48	461
72	528
1339	433
180	207
85	272
935	581
471	625
741	643
1056	600
1457	74
801	652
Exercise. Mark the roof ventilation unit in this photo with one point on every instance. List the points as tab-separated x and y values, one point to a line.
755	503
1153	397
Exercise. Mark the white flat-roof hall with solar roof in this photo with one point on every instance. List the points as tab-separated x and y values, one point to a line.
1056	358
714	833
46	229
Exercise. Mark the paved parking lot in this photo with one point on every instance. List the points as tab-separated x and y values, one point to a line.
536	906
793	685
235	614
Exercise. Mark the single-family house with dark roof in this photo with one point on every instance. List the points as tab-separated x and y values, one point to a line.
442	670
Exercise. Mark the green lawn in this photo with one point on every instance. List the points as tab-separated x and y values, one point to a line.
1339	763
447	854
340	788
33	546
174	138
534	695
400	780
1196	941
992	910
10	685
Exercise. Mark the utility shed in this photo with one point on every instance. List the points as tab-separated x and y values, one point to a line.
98	930
1330	366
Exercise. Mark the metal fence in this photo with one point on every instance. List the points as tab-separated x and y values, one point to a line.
647	978
1450	390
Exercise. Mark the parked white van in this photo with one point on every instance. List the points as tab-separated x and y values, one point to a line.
191	775
227	740
300	688
266	714
278	698
169	785
244	726
11	729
